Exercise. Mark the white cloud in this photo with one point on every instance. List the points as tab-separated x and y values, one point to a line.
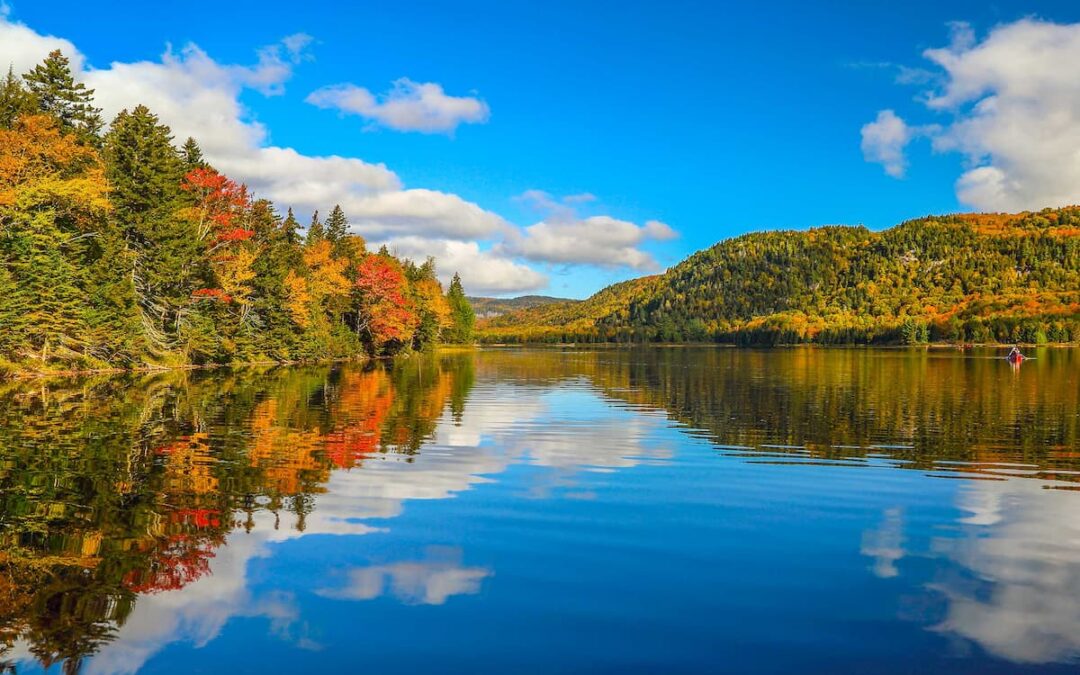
884	140
565	237
22	48
482	271
200	97
408	106
429	212
296	45
1014	103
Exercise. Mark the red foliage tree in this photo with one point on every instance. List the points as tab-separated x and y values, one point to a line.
384	304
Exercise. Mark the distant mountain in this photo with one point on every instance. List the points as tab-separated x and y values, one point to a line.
490	307
970	278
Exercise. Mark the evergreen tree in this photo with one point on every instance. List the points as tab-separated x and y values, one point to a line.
13	306
114	327
336	225
59	95
51	281
15	100
461	313
144	172
192	155
315	231
291	228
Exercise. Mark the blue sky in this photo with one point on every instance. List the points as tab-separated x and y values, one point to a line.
712	118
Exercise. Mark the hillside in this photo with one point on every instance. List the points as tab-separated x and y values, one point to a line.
490	307
971	277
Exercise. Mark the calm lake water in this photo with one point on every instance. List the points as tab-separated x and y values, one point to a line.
541	511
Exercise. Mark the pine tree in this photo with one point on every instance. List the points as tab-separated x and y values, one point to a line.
113	319
291	227
13	307
53	324
144	172
15	100
336	225
461	313
59	95
192	155
315	231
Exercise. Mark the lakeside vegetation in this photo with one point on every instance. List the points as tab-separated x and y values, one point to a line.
119	249
980	278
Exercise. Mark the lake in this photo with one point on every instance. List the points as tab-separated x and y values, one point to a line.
666	510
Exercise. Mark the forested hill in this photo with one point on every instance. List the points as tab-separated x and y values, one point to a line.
489	307
970	278
119	248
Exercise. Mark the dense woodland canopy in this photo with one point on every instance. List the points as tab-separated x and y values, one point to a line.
120	249
967	278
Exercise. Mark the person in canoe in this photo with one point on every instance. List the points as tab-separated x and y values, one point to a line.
1014	355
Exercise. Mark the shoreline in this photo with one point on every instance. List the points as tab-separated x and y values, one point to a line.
83	372
791	345
17	374
23	374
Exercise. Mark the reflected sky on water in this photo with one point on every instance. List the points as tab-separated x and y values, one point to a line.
660	510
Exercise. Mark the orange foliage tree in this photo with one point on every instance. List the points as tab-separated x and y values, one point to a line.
384	310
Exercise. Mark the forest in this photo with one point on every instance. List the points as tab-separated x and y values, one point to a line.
488	307
969	278
120	248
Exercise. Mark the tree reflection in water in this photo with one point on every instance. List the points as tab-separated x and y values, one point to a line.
117	492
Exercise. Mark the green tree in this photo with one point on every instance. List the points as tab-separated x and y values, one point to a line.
192	155
463	319
59	95
336	225
144	172
15	100
50	283
291	228
315	231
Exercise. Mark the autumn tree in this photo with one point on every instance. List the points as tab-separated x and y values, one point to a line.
384	313
219	216
52	200
432	308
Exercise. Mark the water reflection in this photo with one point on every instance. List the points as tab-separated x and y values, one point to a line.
1020	554
414	582
134	510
